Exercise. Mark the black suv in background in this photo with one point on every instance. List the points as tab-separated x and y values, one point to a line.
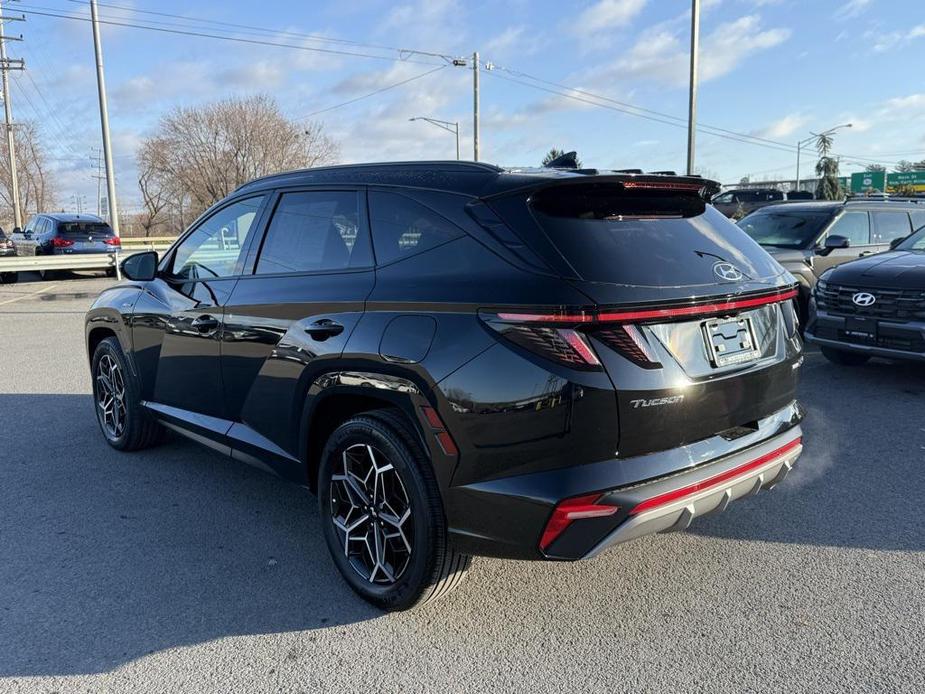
740	202
808	238
464	360
872	307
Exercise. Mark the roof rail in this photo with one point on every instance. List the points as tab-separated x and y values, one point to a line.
883	197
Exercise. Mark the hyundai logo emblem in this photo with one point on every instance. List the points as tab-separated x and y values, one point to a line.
727	272
864	299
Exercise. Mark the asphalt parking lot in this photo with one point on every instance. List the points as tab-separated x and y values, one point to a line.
177	570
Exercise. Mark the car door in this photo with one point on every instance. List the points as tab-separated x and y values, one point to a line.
293	313
25	241
177	323
887	225
854	225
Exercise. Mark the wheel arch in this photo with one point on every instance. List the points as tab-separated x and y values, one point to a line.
336	397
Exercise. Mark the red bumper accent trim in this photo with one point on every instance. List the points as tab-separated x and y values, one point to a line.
718	479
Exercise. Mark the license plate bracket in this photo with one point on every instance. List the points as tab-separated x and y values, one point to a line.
861	328
730	341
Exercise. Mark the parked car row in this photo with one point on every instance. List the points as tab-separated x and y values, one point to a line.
738	203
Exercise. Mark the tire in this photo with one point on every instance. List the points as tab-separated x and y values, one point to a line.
842	358
128	427
9	277
412	562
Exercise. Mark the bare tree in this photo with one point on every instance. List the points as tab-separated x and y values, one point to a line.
201	154
36	184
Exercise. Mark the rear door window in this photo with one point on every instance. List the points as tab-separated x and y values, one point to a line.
889	226
402	227
854	225
315	231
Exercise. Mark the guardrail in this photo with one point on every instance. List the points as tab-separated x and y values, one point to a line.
80	261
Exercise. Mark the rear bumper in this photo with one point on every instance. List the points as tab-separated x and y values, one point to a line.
669	505
651	493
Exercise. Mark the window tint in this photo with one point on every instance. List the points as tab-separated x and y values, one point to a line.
214	248
890	225
918	219
854	226
402	227
723	199
315	230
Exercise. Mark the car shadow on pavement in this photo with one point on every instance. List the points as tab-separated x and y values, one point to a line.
860	480
107	557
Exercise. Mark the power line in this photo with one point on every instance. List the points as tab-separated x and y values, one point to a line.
378	91
263	30
567	95
238	39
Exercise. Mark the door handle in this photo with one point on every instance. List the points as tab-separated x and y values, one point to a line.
323	329
205	324
863	253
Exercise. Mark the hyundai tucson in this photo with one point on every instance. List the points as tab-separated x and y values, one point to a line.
464	360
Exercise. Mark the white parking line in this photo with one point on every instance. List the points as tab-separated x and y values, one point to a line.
26	296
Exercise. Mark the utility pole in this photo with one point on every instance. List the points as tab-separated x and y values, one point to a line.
475	105
692	103
104	120
5	66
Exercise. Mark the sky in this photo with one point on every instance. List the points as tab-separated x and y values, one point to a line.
563	74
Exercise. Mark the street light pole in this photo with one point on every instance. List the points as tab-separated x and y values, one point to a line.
692	103
449	126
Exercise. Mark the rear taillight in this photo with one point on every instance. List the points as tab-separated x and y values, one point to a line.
629	341
112	241
58	242
570	510
564	345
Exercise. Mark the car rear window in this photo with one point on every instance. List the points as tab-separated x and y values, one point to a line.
644	237
84	228
785	228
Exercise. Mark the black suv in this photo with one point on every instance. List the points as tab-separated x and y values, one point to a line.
738	203
464	360
808	238
872	307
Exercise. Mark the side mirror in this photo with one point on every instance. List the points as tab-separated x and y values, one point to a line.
140	267
836	241
895	242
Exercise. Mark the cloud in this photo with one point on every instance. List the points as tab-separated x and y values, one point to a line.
606	14
885	41
426	23
851	9
783	127
662	55
517	39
